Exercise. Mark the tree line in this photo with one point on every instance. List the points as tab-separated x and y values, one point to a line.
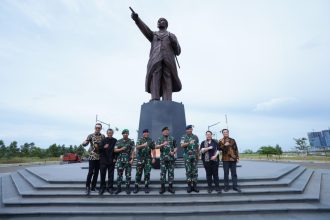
31	150
301	147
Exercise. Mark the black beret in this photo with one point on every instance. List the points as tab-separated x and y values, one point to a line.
188	127
145	130
165	128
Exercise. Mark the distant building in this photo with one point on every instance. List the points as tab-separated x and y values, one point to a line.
319	139
326	137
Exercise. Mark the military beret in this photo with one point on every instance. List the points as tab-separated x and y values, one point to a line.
125	131
145	131
165	128
188	127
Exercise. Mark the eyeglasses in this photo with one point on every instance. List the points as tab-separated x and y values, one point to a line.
97	127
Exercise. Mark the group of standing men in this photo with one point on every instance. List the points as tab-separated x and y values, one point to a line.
107	152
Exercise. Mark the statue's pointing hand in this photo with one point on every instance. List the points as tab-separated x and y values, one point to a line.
134	16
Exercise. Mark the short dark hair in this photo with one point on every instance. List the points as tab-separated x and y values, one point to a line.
208	132
98	124
110	129
223	130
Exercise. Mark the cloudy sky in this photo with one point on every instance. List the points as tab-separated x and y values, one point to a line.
266	64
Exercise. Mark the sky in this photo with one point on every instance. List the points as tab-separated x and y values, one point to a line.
264	64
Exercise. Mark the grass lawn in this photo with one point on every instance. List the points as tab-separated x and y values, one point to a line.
285	157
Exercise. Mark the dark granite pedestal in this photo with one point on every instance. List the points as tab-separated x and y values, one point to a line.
157	114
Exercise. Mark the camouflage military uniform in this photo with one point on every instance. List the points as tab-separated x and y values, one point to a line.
190	156
123	160
166	159
143	160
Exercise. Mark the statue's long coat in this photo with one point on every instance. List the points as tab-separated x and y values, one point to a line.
164	47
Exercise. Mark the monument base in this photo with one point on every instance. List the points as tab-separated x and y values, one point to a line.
157	114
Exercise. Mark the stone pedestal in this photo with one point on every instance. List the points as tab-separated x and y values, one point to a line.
157	114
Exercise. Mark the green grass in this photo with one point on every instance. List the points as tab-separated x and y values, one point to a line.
28	160
285	157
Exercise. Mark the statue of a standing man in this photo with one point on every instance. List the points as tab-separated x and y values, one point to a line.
162	75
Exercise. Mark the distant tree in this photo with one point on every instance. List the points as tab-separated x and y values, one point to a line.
248	151
13	150
3	149
54	151
71	150
267	150
80	150
25	150
301	144
278	150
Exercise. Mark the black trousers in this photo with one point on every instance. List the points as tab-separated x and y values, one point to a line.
211	168
93	171
104	167
230	165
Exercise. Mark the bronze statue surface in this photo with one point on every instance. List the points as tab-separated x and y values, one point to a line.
162	75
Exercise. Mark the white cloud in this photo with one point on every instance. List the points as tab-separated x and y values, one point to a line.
274	103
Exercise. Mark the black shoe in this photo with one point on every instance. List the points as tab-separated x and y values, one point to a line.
194	188
146	189
162	189
118	190
102	190
88	191
93	189
218	189
136	189
237	189
189	188
209	189
110	190
128	190
171	189
226	189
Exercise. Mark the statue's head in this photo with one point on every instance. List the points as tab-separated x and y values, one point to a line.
162	23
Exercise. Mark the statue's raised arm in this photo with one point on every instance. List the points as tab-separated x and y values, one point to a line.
141	25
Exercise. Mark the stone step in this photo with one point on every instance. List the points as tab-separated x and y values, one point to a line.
13	206
41	184
12	198
26	190
178	179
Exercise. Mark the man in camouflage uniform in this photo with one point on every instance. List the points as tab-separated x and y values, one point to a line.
190	145
167	147
125	148
95	141
230	158
144	146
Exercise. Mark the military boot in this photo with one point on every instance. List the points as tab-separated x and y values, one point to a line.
146	189
171	189
118	190
136	189
189	189
194	188
162	189
128	190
